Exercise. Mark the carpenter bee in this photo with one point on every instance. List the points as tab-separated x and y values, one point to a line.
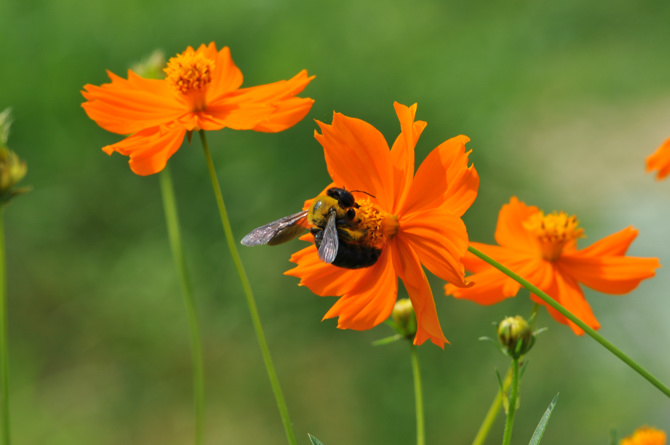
339	237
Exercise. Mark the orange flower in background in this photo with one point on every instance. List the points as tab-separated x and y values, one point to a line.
416	220
660	160
543	249
645	436
201	91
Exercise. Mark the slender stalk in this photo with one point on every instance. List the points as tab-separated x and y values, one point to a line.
511	409
251	302
493	411
4	352
174	234
418	398
567	314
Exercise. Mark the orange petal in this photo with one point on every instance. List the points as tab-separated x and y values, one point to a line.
129	106
372	301
567	292
505	256
510	232
610	273
226	76
150	149
402	152
358	157
440	241
660	160
285	115
268	108
444	180
489	287
492	286
321	278
612	245
406	264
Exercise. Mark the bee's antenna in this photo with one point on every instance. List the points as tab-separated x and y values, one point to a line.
361	191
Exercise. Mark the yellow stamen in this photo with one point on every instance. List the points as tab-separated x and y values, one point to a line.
553	232
189	72
378	225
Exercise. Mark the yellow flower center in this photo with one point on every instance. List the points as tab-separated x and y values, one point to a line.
553	232
378	225
189	71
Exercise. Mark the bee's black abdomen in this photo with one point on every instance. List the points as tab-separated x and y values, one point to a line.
355	256
350	255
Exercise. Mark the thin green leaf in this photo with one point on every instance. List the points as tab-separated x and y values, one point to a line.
539	431
314	440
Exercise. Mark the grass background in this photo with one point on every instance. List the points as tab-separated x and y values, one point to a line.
562	101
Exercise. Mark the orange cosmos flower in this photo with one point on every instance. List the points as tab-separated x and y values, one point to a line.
415	220
201	91
645	436
543	249
660	160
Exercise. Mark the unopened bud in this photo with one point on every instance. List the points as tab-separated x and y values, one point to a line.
12	170
404	318
516	336
151	67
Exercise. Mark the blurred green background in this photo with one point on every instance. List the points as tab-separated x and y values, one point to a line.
562	101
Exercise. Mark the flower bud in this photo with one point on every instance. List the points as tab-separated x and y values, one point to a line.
12	169
151	67
515	336
404	318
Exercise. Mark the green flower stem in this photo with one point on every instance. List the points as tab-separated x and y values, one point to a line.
511	408
554	304
418	398
172	221
253	309
4	353
493	411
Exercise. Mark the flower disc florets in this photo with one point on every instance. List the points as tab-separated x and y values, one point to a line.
378	225
553	232
190	71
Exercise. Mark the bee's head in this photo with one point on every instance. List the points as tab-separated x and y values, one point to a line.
343	197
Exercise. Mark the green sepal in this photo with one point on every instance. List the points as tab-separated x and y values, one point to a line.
387	340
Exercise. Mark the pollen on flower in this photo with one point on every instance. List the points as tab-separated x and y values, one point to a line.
379	225
189	71
553	232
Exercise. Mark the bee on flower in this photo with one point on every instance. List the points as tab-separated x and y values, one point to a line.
379	221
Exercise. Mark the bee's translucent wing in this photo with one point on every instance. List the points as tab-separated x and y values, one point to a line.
330	243
277	232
